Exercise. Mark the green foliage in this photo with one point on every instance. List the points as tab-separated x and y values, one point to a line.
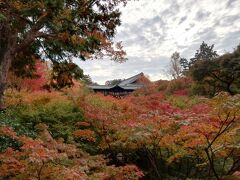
8	118
58	31
7	142
204	53
66	24
63	74
87	80
213	73
25	63
184	102
2	17
162	85
113	82
96	101
61	118
184	63
178	84
166	136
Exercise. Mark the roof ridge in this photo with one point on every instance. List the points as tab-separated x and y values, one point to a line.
131	78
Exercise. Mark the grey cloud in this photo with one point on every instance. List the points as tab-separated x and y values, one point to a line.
229	42
201	15
156	34
172	10
134	65
174	6
182	20
229	20
207	34
145	32
137	64
190	51
190	27
167	13
231	3
188	4
147	22
138	40
142	25
221	45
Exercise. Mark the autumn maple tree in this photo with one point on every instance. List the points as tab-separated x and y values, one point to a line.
166	135
177	136
56	30
46	158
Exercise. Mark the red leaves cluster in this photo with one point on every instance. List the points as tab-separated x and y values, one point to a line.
47	158
10	165
152	121
41	79
182	92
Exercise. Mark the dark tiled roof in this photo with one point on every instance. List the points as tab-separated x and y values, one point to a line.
125	84
100	87
133	87
130	80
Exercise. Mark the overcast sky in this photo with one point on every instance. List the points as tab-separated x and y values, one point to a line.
152	30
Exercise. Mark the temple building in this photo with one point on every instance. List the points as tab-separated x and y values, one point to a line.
122	88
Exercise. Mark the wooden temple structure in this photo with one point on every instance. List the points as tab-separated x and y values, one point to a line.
123	88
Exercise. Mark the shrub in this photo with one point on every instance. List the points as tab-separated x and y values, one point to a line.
53	109
178	84
46	158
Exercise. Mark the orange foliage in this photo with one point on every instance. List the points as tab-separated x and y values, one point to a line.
46	158
86	134
208	127
152	122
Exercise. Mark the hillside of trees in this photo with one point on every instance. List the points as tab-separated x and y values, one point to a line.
52	126
175	129
155	133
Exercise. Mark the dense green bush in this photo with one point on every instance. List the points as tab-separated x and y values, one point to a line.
8	118
61	118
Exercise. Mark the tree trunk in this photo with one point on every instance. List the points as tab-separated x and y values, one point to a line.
4	67
7	45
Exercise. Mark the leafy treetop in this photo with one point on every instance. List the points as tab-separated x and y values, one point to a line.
58	30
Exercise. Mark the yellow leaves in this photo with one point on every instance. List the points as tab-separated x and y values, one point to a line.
66	14
76	40
224	104
54	171
18	5
14	97
99	36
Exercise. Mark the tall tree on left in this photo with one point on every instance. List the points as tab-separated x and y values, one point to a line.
57	30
